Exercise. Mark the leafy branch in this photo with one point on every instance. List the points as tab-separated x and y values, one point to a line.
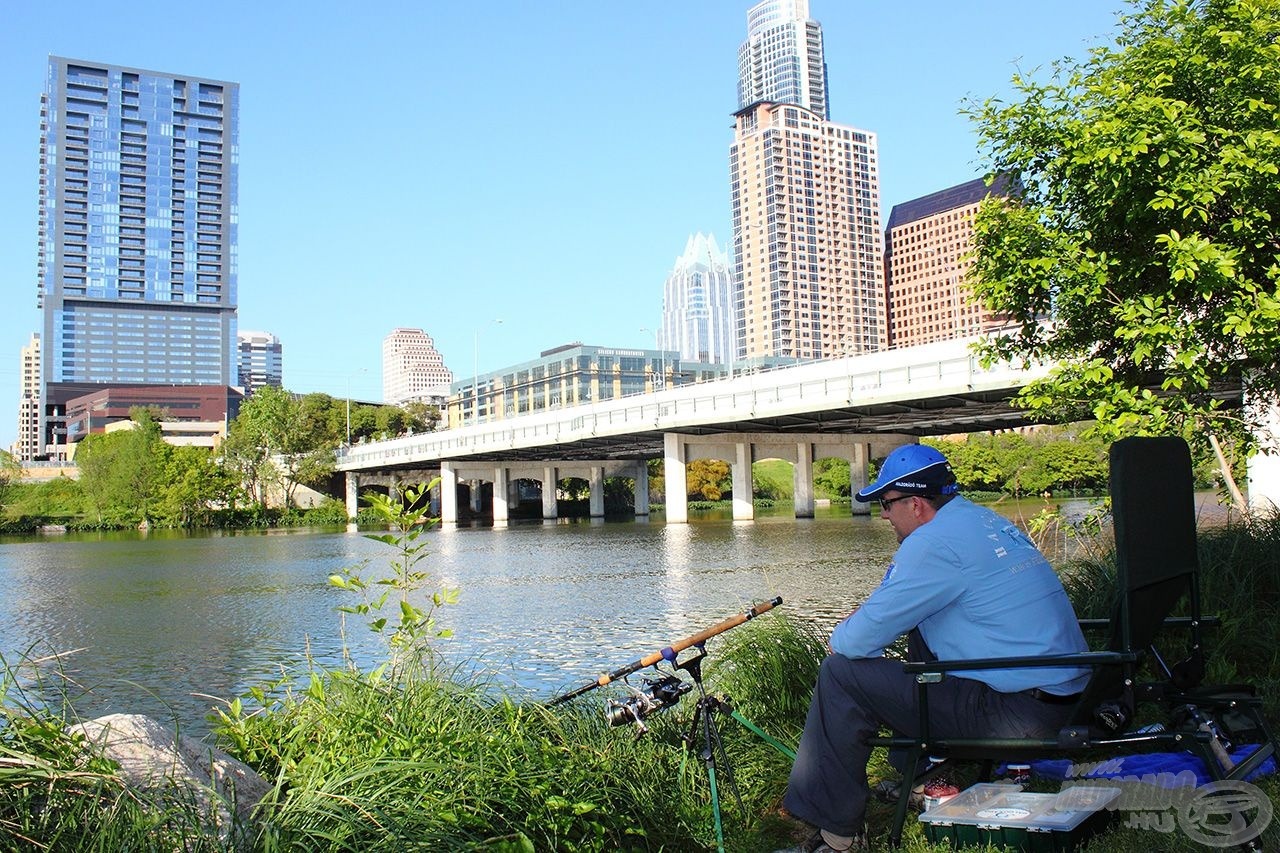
391	603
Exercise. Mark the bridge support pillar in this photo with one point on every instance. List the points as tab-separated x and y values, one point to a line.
597	491
642	488
859	463
802	480
477	495
744	505
1263	468
501	494
448	494
353	495
393	486
676	478
550	480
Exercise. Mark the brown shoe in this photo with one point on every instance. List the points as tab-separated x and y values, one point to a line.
817	844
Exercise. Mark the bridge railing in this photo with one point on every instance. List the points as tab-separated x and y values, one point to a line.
867	379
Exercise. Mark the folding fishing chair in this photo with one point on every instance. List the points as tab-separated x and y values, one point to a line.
1152	503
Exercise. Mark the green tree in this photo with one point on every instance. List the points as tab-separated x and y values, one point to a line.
391	421
249	459
976	462
1148	228
193	485
421	416
271	444
324	417
120	472
10	473
831	477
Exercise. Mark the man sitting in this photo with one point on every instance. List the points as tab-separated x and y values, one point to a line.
966	583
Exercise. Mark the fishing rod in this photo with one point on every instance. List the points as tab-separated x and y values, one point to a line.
670	652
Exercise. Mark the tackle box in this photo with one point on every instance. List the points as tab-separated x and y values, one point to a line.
1005	815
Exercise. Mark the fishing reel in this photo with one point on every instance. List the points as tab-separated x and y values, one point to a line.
654	696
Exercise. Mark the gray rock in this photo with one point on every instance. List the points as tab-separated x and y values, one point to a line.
158	763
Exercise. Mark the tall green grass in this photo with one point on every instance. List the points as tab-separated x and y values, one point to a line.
58	793
428	760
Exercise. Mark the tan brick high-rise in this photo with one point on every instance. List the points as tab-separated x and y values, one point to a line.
806	226
927	242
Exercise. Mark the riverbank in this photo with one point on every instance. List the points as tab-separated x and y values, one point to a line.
512	774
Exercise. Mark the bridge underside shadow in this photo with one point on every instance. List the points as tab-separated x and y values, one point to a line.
467	487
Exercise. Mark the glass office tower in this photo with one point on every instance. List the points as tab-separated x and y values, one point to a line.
137	228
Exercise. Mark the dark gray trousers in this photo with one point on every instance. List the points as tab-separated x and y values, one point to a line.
853	699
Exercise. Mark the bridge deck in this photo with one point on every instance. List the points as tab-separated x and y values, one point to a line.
929	390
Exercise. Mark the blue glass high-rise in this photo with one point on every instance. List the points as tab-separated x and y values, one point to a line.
138	217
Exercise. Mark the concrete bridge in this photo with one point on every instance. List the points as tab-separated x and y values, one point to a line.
855	408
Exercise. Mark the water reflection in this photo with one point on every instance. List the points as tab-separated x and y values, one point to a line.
166	621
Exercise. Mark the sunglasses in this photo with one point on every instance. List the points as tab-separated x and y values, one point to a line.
885	503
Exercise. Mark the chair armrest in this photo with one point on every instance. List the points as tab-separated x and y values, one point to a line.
1170	622
1091	659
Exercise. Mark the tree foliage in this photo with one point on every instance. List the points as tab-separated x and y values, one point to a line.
10	473
1147	230
831	477
274	446
1053	460
119	471
708	479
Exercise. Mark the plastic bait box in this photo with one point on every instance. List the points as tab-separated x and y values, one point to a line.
1005	815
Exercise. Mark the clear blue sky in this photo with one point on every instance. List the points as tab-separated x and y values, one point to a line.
442	165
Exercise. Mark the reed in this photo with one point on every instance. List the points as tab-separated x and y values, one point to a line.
58	794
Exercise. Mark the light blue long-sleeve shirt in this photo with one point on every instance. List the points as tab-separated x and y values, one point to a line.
976	587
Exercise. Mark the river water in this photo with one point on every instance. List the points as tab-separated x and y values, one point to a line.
169	624
159	624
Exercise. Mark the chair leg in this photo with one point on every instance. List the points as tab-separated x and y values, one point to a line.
1267	748
904	798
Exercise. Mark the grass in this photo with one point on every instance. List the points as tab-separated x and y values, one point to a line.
422	758
58	794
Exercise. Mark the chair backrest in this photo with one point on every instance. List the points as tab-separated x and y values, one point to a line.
1153	512
1153	509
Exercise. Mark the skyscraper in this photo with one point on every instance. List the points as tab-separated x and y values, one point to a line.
413	369
697	304
137	230
260	359
927	243
28	443
807	249
782	60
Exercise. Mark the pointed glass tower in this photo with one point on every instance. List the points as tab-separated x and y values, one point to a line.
697	303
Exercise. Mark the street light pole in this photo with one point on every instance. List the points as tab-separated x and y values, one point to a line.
349	375
662	357
475	371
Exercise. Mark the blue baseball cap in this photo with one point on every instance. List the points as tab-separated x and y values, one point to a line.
912	469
